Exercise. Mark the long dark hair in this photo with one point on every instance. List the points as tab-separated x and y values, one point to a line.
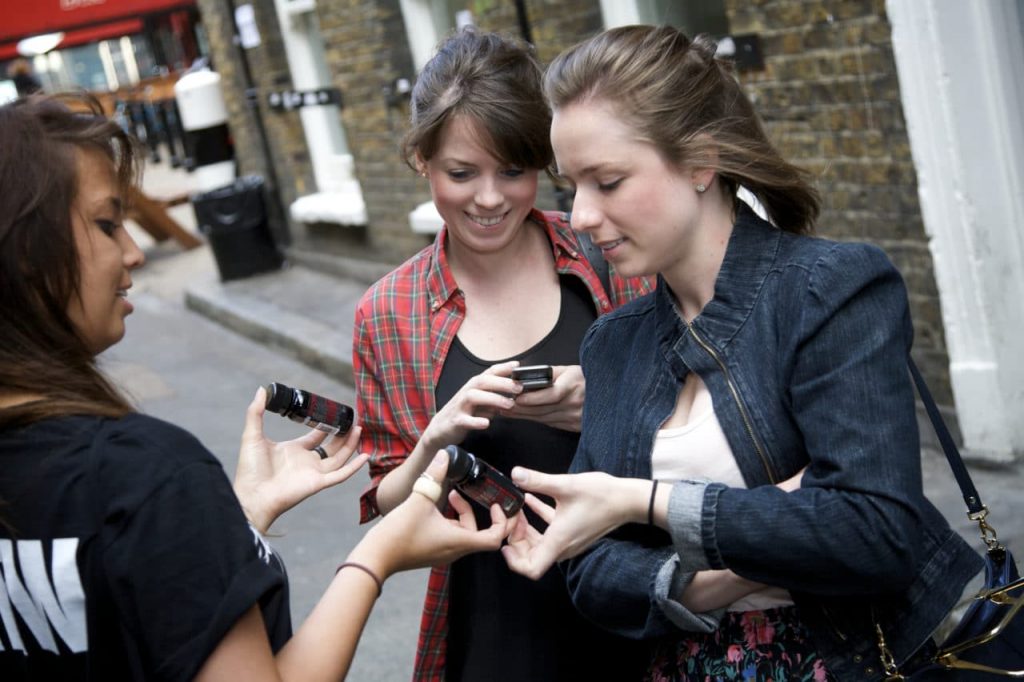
41	352
686	102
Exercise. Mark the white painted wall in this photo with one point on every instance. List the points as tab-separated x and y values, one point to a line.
339	198
961	71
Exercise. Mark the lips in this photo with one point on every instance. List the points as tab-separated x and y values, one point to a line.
608	246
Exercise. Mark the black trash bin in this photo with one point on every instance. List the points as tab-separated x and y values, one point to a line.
234	220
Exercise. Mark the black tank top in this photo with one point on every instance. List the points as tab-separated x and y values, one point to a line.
502	626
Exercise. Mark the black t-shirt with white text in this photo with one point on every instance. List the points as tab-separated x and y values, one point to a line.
124	553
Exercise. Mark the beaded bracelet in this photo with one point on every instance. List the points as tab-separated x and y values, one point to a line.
353	564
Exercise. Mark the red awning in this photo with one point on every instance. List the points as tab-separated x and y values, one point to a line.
24	18
82	36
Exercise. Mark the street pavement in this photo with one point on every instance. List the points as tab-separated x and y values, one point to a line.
307	315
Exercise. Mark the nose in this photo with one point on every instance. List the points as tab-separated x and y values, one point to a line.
132	255
585	215
488	194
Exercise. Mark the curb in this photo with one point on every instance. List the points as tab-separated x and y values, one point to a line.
309	341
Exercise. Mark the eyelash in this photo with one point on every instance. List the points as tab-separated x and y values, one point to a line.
109	227
462	175
609	186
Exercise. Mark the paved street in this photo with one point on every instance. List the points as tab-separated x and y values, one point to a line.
181	367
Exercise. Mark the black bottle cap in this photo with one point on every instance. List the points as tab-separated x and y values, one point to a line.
460	463
279	397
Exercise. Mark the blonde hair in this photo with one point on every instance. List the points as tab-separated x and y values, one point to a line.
686	102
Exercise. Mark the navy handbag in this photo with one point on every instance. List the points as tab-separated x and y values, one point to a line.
988	643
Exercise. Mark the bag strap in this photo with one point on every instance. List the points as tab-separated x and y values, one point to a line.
976	510
956	462
593	253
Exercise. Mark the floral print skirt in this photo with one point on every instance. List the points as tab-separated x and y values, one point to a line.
760	646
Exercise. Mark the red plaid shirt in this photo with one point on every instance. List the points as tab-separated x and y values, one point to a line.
404	327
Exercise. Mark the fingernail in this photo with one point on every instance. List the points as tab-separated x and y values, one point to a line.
519	475
439	457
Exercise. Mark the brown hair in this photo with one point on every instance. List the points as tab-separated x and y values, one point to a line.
41	352
686	102
493	80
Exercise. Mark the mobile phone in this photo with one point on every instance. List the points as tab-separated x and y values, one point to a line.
533	377
481	482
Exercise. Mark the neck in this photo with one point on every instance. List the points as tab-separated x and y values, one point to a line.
497	268
692	277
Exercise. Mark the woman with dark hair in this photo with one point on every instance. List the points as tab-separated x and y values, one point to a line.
124	551
436	340
764	382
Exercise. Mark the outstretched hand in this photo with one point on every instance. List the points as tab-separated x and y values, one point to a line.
587	506
415	534
273	477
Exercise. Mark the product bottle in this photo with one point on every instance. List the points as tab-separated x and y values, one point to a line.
309	409
481	482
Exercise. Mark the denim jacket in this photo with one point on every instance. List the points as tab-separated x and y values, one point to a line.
803	349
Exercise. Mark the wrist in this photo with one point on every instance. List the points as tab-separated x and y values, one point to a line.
635	494
255	513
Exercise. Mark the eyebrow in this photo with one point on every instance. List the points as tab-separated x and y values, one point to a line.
114	202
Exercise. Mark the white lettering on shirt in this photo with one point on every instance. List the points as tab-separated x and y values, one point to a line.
40	603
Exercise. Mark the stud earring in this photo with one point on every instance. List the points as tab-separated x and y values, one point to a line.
701	188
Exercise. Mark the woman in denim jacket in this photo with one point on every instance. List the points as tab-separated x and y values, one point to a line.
764	381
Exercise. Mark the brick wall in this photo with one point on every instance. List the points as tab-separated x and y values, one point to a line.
830	99
268	71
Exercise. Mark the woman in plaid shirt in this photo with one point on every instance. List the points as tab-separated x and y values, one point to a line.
503	284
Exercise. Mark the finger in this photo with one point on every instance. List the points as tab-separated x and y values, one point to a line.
490	397
345	472
467	519
502	369
312	439
254	414
537	482
520	529
340	448
545	511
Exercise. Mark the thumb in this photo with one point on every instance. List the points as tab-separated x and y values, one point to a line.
536	481
254	415
438	467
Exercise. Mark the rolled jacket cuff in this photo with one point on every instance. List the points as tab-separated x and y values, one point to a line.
669	585
685	508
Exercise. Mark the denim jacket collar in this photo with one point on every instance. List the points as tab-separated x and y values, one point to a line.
749	257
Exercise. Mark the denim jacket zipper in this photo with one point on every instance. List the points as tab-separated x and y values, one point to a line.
747	423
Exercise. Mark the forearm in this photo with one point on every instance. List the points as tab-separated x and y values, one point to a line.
325	644
396	485
711	590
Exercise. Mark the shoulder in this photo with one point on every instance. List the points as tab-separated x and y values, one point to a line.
406	281
835	269
138	454
623	321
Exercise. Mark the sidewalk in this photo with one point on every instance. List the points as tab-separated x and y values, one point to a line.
309	315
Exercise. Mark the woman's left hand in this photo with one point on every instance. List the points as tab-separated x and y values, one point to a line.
273	477
560	405
587	506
